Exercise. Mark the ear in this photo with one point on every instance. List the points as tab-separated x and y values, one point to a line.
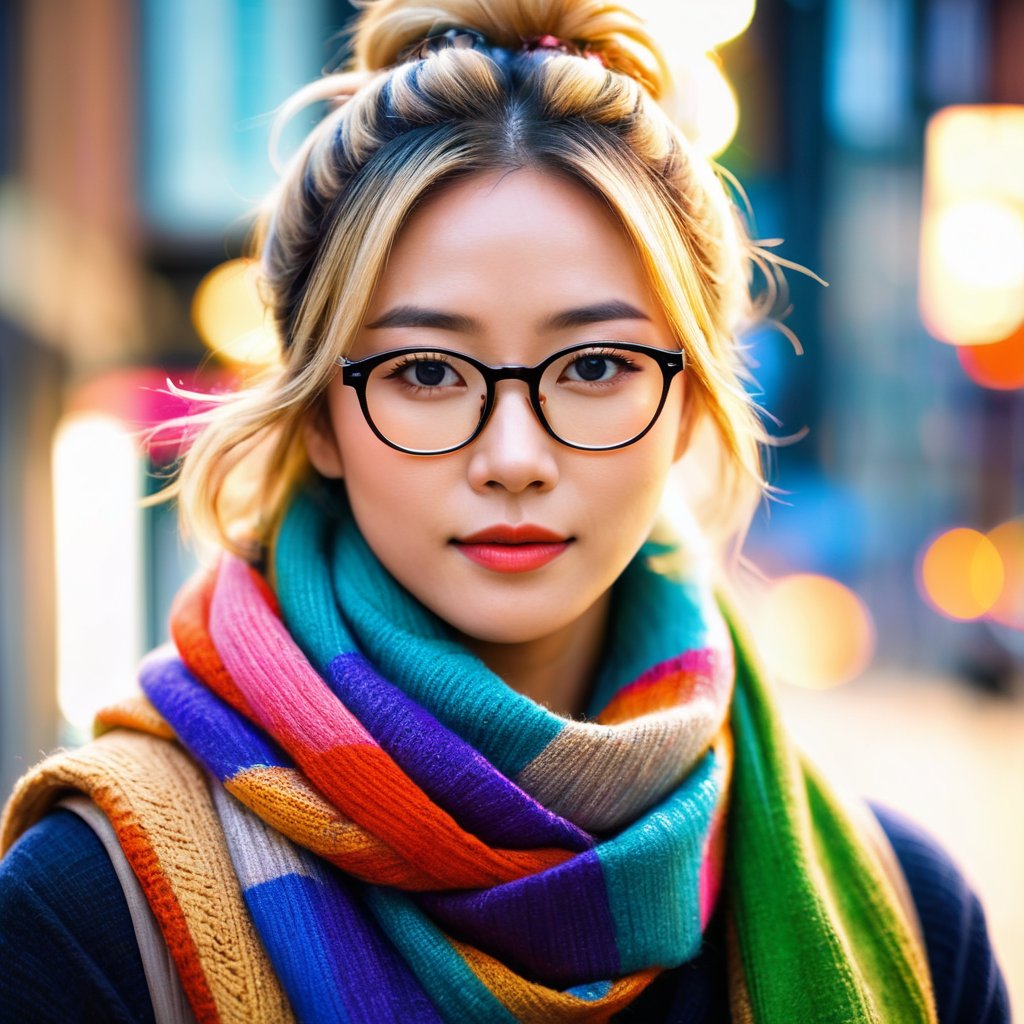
322	444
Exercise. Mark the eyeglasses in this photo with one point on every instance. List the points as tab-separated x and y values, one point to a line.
591	397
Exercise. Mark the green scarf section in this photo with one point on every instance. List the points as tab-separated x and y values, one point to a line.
821	934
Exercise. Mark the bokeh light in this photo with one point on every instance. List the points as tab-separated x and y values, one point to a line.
999	366
972	228
703	104
97	526
814	632
231	318
961	574
981	242
1008	540
718	115
697	25
977	151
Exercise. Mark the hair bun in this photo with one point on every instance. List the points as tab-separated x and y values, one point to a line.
388	28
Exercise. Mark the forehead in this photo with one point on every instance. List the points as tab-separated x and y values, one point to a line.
526	240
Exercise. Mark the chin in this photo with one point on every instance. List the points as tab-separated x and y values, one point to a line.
501	627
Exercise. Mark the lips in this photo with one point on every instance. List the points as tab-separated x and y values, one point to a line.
512	549
503	533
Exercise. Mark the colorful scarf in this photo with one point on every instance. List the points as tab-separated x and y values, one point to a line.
416	841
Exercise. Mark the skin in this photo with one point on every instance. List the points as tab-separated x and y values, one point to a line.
508	251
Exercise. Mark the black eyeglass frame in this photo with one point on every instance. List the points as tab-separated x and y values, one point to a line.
356	373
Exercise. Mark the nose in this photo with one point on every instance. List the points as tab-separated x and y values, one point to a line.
514	453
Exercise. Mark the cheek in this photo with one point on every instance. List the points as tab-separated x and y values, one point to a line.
631	488
384	485
620	499
372	470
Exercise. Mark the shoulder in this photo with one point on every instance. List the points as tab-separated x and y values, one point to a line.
969	988
66	937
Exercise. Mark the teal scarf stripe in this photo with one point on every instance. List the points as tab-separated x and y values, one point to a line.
654	615
654	864
457	993
302	581
658	616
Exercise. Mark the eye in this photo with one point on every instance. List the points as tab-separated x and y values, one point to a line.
596	367
429	374
426	371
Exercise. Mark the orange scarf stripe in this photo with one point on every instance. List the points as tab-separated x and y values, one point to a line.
532	1003
280	797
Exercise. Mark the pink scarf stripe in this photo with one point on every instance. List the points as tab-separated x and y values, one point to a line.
292	703
701	673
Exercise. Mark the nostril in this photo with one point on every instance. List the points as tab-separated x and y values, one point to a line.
501	484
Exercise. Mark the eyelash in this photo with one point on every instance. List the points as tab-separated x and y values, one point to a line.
621	357
411	360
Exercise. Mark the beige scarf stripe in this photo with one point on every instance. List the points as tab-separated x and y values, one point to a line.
159	804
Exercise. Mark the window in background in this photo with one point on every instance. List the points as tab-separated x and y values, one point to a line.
213	72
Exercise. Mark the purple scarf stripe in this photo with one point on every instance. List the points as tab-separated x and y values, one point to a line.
457	777
323	972
212	730
556	926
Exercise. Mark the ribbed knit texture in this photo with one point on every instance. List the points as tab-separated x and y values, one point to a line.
498	862
417	841
159	804
70	957
826	939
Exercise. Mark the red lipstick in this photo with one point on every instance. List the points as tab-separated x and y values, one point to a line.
505	548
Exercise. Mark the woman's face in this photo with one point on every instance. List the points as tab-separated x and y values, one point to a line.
502	255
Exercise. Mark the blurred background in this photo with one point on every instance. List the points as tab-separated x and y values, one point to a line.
882	141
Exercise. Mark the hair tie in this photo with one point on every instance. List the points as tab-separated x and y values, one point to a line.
566	46
470	39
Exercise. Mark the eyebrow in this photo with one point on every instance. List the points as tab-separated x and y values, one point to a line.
418	316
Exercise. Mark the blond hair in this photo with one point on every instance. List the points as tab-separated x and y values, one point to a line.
398	129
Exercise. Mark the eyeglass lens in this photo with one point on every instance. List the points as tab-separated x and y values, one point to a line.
595	398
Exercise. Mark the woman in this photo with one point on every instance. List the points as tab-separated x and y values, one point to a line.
452	729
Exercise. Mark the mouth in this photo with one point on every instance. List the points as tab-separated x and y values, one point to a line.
513	549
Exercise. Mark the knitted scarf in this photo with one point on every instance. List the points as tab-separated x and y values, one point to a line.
416	841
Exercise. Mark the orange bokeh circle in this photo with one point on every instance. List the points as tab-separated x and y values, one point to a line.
961	574
815	632
1008	539
999	366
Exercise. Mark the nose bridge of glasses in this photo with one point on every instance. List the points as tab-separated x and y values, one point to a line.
522	374
529	398
526	374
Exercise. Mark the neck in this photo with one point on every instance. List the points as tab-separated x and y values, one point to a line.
555	670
